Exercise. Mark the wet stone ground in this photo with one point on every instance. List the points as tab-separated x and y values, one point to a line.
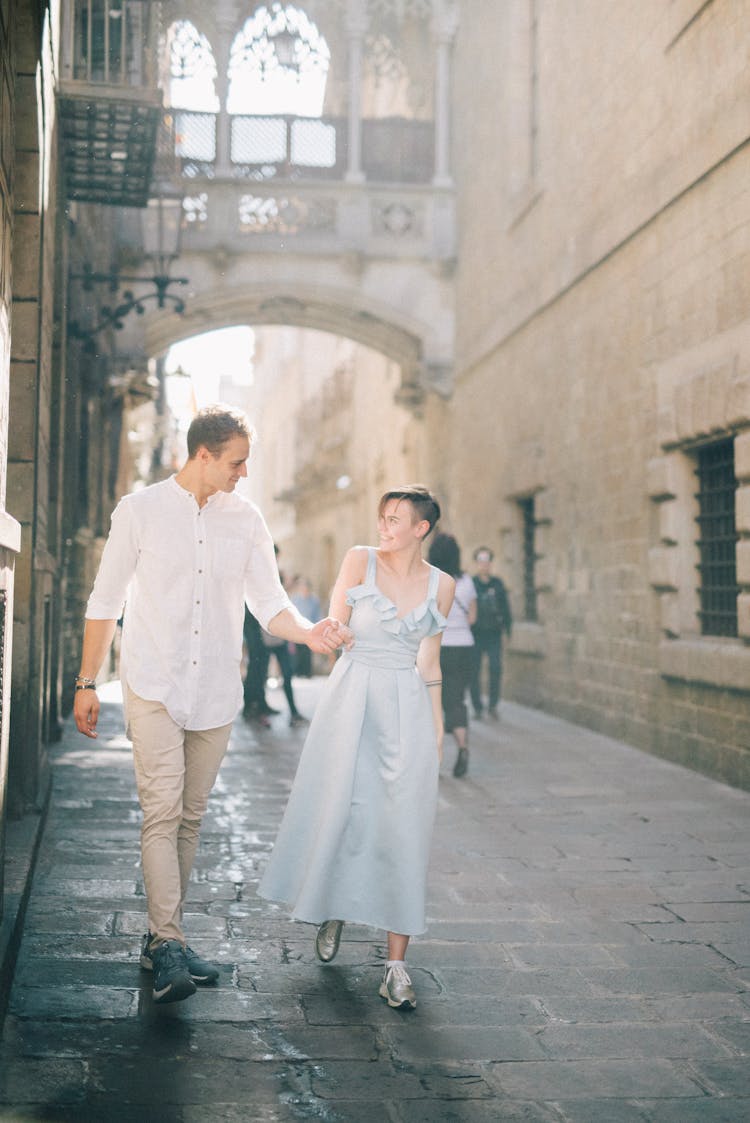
587	960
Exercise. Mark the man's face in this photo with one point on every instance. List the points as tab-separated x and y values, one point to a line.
224	471
484	561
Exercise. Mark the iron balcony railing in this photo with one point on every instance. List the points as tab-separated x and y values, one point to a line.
108	98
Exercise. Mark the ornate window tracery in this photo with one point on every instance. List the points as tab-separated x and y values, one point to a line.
278	64
192	69
192	93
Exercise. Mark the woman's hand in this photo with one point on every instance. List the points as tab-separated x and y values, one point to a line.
328	635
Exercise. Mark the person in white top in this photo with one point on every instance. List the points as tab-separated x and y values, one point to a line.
183	557
457	651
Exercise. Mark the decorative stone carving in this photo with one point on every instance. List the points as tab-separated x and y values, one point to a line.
287	215
397	219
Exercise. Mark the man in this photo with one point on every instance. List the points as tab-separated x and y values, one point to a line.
493	620
187	553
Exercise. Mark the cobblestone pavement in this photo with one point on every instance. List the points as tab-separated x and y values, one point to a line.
587	960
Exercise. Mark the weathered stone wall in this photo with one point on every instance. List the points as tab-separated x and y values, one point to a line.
9	528
31	377
605	260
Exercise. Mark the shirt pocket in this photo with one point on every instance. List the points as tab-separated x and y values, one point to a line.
229	557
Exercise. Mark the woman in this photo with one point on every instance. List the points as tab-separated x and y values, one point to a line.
457	652
354	841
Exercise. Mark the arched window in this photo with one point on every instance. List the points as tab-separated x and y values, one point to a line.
278	64
278	68
192	93
192	69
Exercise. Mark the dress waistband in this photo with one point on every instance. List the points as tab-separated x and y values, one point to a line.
378	659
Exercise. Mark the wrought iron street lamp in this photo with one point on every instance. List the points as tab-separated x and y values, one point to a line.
161	225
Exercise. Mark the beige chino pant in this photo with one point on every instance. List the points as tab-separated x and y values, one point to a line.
175	770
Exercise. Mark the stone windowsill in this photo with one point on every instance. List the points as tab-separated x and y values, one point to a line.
725	665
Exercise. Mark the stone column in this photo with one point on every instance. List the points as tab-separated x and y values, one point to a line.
356	25
444	27
227	27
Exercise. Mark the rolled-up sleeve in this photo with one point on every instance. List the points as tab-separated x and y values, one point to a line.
264	593
116	568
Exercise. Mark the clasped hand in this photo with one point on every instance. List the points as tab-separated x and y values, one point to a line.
328	635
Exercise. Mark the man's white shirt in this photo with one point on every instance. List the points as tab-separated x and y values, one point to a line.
182	573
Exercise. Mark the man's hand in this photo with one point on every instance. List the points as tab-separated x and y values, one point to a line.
328	635
86	712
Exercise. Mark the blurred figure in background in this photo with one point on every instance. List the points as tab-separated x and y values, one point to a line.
457	650
493	621
305	601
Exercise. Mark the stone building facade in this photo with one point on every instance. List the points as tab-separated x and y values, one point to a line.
603	360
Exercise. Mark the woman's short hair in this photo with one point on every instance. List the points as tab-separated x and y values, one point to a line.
446	554
424	503
213	426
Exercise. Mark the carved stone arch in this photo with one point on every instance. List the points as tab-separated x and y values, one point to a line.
296	307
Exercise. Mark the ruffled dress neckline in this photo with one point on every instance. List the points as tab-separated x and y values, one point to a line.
388	611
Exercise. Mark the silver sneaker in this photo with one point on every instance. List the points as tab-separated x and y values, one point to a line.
396	988
327	940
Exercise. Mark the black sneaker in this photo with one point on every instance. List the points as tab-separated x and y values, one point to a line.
201	972
172	981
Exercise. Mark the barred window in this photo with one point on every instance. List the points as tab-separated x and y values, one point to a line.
529	558
717	539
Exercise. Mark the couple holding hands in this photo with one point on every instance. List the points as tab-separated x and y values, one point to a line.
186	554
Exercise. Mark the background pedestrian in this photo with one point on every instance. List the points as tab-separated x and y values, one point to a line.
494	620
457	651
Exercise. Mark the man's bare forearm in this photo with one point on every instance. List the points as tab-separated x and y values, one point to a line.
97	640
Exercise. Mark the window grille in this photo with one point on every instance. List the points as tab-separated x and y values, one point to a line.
717	539
195	136
529	558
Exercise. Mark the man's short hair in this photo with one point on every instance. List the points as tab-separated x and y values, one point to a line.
213	426
483	550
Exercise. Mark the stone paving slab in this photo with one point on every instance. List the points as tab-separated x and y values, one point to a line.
586	959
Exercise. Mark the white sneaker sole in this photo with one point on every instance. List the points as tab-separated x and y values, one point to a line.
404	1004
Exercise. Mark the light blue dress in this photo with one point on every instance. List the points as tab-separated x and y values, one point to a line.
355	838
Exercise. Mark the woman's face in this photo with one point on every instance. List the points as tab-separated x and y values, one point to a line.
398	525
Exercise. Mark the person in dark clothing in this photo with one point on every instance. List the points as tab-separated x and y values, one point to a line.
493	621
283	657
255	707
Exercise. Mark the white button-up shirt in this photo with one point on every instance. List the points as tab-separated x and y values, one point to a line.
184	573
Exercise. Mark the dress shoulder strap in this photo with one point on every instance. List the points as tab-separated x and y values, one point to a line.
371	562
432	587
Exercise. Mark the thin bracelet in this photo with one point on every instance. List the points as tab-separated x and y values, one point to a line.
84	686
435	682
